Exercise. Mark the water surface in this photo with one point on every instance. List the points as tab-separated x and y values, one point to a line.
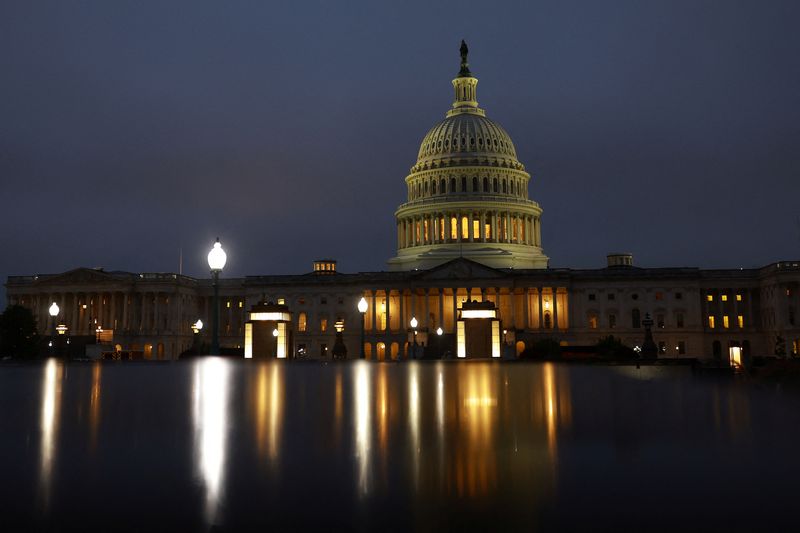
228	445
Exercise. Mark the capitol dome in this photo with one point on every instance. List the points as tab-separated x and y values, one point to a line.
468	193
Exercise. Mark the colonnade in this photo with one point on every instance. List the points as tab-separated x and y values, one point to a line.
449	227
529	308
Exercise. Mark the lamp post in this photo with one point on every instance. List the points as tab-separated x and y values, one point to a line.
439	332
413	323
362	308
54	309
216	262
275	333
197	327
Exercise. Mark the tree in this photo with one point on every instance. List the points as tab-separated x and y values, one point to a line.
18	335
613	348
542	349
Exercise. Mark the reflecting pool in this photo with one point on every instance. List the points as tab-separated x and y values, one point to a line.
228	445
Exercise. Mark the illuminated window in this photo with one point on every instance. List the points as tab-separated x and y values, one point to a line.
323	325
281	301
241	304
464	228
228	304
417	232
711	321
738	297
724	297
476	229
521	231
427	234
302	322
710	297
592	322
513	229
487	230
740	321
453	228
725	323
505	228
441	228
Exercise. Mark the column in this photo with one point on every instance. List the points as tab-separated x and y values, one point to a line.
555	308
441	308
538	232
426	322
125	297
540	312
374	308
455	308
402	318
470	234
388	308
524	308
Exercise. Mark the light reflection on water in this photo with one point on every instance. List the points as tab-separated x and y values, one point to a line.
459	438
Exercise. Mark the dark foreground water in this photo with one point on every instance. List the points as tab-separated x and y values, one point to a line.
228	445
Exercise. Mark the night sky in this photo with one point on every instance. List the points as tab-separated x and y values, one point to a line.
130	130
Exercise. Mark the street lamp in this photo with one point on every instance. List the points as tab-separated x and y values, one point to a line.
216	262
53	314
275	333
439	332
362	308
413	325
197	327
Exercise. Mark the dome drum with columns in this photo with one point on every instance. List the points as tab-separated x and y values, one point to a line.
468	194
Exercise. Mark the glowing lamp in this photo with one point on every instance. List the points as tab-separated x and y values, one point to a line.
439	331
217	257
275	332
54	309
414	322
362	305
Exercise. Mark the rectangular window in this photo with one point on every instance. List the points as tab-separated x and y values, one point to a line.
611	296
791	316
738	297
593	322
323	325
228	304
591	297
281	301
711	321
453	228
659	295
725	323
301	322
740	320
724	298
679	320
464	228
660	321
710	297
681	347
505	228
678	295
323	300
476	229
241	303
612	321
487	231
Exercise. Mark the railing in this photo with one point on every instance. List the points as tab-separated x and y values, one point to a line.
468	198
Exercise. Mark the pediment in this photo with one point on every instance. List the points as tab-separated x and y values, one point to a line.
77	276
461	268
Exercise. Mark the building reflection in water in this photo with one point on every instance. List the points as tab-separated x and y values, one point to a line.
269	410
210	417
557	407
413	420
94	404
51	410
362	426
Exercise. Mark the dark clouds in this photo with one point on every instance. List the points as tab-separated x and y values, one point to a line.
131	130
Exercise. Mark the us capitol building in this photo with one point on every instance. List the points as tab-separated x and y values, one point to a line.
470	279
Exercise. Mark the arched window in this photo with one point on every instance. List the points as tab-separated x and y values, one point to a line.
512	188
495	185
474	184
505	187
464	228
636	319
433	187
463	184
453	228
426	188
485	184
452	185
443	186
302	322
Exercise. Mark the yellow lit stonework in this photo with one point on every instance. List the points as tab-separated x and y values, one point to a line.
467	177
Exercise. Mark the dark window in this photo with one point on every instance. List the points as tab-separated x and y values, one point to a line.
323	300
433	187
659	296
485	184
495	185
612	321
791	316
611	296
679	320
678	295
341	300
505	186
635	296
463	183
474	184
636	319
591	297
443	188
660	321
452	185
323	350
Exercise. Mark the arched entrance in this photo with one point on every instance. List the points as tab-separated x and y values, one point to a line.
367	351
395	349
520	347
381	351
